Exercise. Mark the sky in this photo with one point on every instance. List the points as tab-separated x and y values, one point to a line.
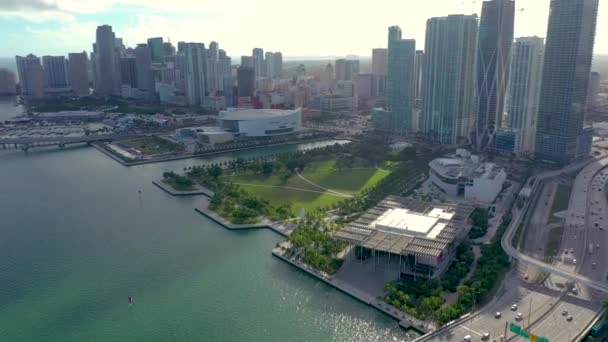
296	28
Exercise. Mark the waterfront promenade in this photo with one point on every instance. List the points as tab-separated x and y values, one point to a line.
405	320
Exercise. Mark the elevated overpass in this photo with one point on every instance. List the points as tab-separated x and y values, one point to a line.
520	214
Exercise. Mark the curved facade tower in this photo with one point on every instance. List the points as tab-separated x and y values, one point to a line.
494	45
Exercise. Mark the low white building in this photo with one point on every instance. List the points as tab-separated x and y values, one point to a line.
464	175
261	122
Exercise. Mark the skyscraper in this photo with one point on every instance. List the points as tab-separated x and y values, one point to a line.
8	82
274	64
128	71
157	49
196	60
523	94
251	62
106	69
56	73
78	73
494	44
379	61
143	62
419	65
259	66
449	78
346	69
246	81
31	76
400	79
566	69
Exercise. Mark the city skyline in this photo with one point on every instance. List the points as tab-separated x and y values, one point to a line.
70	23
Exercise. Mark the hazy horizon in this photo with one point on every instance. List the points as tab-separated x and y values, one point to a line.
57	27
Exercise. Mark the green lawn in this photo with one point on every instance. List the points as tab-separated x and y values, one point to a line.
152	145
348	181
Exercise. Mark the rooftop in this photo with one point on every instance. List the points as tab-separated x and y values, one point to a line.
252	114
464	166
407	226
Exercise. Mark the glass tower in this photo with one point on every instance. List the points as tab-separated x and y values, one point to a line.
567	64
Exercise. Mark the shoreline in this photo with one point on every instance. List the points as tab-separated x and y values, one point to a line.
204	154
405	321
277	227
167	188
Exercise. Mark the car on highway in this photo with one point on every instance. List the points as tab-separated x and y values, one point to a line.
497	315
565	313
569	319
594	265
467	338
519	316
485	336
513	307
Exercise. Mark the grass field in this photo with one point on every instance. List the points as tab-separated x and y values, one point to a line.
305	195
152	145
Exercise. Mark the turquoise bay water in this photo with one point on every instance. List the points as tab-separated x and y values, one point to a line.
76	240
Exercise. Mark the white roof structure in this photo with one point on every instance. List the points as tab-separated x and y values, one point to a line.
253	114
405	222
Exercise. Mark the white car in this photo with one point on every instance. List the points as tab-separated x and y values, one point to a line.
513	307
519	316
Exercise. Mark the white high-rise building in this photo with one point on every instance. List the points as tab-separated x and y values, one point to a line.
523	92
31	76
449	78
56	71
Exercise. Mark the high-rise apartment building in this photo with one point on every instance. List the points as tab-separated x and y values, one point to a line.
128	71
143	62
346	69
251	62
8	82
560	137
245	81
260	66
78	73
523	94
400	80
274	64
56	73
419	65
157	49
107	72
449	78
31	76
494	45
195	76
379	61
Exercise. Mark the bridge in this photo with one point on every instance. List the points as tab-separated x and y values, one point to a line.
507	238
26	143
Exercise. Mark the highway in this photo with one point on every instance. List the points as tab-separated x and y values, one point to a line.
578	201
545	308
